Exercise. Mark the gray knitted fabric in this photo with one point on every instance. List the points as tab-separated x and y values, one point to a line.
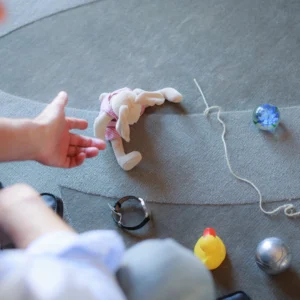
242	53
183	159
241	227
21	13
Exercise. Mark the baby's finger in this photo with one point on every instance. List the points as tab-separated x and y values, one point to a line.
90	151
75	161
83	141
74	123
55	108
60	100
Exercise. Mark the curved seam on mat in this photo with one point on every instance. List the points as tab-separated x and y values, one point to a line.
181	203
47	16
35	102
82	5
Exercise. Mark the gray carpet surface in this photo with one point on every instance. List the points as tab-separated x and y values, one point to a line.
240	227
20	13
243	53
195	172
183	159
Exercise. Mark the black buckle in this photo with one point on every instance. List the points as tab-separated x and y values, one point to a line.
117	216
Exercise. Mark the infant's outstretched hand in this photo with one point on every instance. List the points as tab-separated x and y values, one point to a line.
57	146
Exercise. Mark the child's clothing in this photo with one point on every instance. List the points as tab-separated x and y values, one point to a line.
64	266
94	266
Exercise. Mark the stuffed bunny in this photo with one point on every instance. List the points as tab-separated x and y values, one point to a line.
122	108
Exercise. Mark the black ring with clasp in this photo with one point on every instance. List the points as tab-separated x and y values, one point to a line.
116	214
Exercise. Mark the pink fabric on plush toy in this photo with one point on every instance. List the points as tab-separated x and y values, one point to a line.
123	108
111	133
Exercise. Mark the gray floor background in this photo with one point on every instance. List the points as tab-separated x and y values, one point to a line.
242	52
240	226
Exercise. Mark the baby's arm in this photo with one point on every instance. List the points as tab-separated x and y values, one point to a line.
18	139
54	256
24	217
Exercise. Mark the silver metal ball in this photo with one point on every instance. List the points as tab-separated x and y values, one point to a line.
273	256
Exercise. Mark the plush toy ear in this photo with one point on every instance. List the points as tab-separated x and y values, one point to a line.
138	91
101	97
171	95
150	98
122	125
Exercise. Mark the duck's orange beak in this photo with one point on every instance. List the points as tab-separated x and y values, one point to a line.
2	12
209	231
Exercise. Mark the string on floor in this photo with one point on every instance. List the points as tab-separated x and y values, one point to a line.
289	209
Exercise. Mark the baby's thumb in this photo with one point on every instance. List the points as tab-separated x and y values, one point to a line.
57	106
60	100
55	109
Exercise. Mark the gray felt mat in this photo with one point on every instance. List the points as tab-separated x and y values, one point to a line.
240	227
242	52
185	169
183	159
21	13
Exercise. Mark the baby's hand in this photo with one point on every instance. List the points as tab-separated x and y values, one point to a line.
56	145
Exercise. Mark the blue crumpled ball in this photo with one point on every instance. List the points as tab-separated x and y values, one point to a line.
266	117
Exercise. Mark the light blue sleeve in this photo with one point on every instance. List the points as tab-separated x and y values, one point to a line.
64	265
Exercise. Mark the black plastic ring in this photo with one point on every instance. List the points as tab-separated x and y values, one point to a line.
116	214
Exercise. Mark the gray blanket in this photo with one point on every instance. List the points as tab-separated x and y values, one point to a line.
241	227
243	54
183	159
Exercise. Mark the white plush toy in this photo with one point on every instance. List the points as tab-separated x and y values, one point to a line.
122	108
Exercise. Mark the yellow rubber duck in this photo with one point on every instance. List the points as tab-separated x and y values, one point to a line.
210	249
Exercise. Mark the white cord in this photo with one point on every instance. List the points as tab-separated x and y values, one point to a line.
288	208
